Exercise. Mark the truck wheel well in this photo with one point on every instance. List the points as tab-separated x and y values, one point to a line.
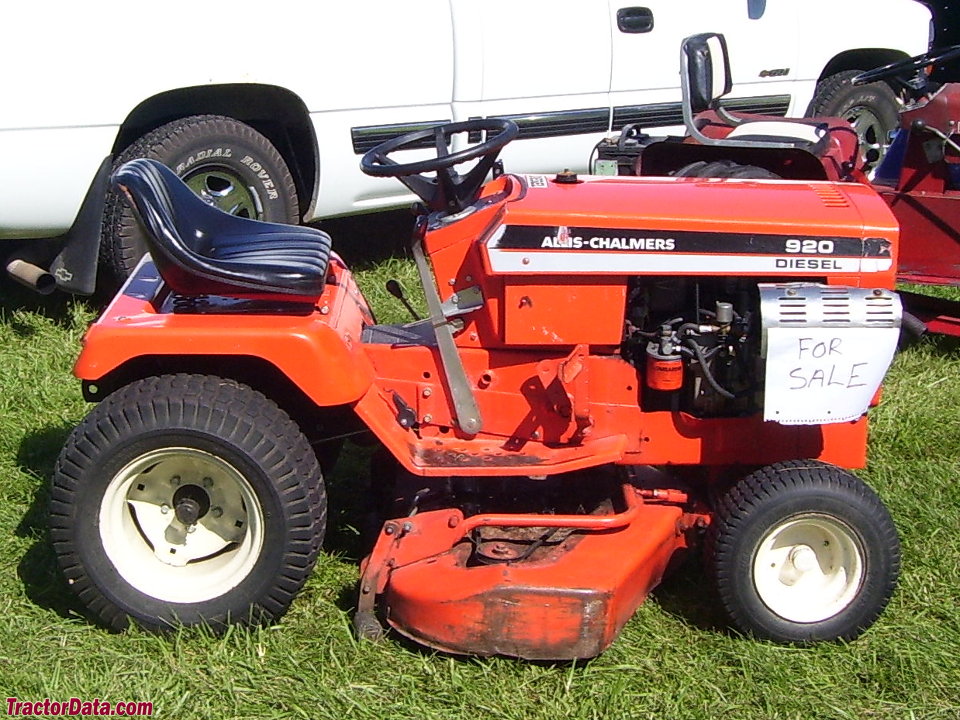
314	421
861	59
275	112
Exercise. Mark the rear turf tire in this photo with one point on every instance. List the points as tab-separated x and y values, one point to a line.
802	551
873	109
724	169
148	456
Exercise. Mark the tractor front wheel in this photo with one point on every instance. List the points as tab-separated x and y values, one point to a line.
184	500
802	551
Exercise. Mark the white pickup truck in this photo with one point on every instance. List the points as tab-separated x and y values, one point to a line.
266	111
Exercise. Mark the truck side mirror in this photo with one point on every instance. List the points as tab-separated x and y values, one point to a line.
705	71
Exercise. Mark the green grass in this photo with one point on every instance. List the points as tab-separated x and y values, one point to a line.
674	660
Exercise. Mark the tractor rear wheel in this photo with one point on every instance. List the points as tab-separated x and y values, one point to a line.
873	110
185	500
724	169
802	551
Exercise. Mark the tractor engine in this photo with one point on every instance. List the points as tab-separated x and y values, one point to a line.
696	343
729	346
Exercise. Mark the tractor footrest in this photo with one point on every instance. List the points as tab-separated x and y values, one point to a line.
494	457
407	335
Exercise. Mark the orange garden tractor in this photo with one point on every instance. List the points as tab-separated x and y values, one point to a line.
612	370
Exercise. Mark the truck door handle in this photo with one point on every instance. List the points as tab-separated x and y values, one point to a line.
635	20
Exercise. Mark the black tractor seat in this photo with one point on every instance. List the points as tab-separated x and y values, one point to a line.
705	80
201	250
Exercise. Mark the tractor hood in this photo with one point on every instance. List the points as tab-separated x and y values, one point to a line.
612	226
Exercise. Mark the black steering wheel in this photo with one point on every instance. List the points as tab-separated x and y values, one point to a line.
449	191
908	66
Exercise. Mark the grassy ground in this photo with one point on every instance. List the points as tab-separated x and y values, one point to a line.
675	659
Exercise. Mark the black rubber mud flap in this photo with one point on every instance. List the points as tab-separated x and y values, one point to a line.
75	267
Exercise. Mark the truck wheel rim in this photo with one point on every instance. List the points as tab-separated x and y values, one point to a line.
870	131
809	568
181	525
225	190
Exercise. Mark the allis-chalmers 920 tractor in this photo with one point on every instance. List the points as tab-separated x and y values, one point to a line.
612	371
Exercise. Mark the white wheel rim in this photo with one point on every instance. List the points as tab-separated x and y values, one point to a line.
808	568
144	538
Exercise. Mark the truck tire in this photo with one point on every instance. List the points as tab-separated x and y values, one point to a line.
802	551
185	500
873	110
226	162
724	169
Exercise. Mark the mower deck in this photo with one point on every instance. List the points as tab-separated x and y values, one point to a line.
535	586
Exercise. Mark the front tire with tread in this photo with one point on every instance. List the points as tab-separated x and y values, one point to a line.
185	500
802	551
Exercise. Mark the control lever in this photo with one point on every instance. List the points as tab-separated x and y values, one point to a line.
396	289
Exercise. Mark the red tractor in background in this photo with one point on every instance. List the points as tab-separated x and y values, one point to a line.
612	370
917	175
